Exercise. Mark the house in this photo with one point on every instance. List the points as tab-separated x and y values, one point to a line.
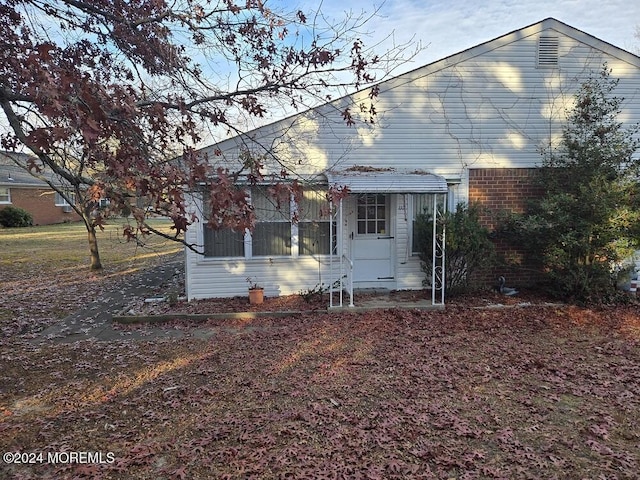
469	127
21	189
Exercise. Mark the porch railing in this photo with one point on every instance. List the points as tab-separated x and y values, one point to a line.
344	257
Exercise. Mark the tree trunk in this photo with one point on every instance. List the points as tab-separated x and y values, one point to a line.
96	264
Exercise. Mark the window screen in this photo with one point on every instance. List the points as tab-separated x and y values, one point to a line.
272	233
313	223
422	204
223	242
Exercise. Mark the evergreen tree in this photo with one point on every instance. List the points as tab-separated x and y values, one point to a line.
588	221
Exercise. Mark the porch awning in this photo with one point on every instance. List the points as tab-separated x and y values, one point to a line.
387	181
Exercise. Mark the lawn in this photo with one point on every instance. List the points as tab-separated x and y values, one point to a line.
45	274
53	248
520	391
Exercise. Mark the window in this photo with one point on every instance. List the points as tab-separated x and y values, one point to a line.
274	230
313	223
372	214
5	195
60	201
223	242
422	204
548	51
272	233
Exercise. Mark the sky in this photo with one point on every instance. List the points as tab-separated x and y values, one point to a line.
445	27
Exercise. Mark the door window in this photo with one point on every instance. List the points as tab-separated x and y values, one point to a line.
372	214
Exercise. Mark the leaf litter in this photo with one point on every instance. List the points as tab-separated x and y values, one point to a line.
533	392
479	390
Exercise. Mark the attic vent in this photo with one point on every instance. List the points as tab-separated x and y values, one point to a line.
548	51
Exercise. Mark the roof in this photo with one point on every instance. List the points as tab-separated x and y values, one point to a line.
12	174
387	181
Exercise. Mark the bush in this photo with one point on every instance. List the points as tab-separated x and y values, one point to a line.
467	246
12	217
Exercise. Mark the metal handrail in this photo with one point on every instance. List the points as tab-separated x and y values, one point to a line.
350	281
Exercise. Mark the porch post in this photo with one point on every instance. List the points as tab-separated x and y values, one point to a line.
341	250
443	248
331	253
336	249
438	253
434	260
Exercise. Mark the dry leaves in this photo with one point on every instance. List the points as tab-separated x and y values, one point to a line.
535	392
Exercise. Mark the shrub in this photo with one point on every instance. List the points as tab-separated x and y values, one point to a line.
467	246
12	217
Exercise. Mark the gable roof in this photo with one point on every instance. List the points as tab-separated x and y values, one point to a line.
13	175
533	29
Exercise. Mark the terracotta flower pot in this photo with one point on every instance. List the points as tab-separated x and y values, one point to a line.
256	296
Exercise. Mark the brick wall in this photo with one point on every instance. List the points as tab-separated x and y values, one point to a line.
40	203
499	190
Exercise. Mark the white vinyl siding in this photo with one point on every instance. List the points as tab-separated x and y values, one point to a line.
488	107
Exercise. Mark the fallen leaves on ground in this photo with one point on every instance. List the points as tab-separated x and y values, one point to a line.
45	276
517	392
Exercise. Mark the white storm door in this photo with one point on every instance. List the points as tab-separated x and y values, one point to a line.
372	240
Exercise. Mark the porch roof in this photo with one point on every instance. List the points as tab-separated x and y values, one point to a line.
387	181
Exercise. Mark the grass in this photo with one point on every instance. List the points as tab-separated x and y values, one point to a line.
52	247
45	269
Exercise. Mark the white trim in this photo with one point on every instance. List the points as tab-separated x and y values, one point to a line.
8	195
295	240
388	181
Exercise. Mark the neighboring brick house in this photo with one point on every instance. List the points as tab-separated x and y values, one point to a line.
475	121
20	189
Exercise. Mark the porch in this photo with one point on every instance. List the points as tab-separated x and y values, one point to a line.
372	234
381	299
